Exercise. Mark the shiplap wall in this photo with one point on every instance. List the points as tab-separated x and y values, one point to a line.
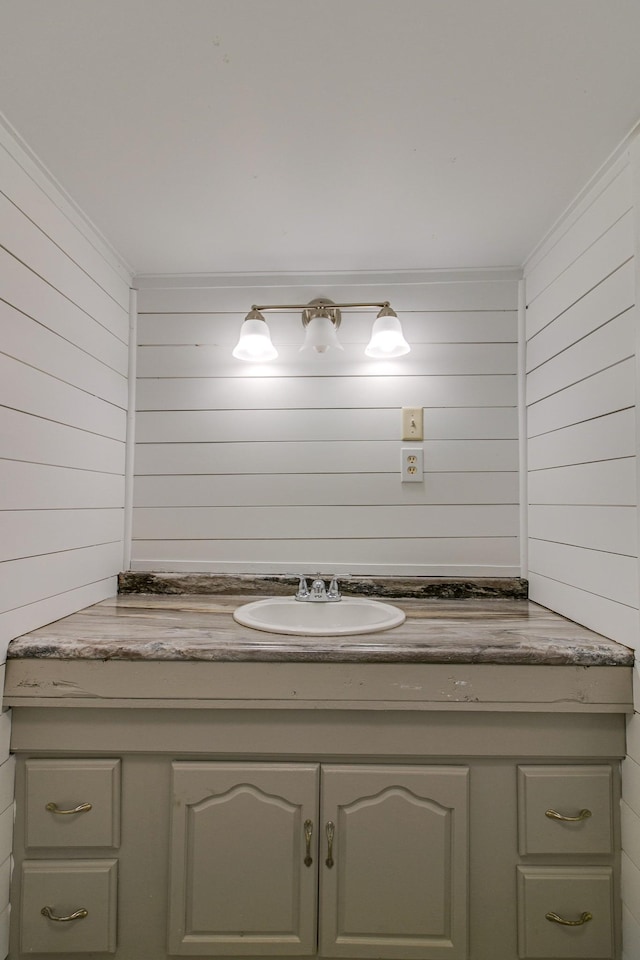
295	465
582	388
64	323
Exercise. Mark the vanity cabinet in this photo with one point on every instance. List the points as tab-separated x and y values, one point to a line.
295	859
265	810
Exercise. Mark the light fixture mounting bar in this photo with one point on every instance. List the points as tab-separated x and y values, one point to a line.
305	306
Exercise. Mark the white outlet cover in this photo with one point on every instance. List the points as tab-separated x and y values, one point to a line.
412	464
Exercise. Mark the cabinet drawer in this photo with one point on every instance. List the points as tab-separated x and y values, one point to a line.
66	888
565	810
582	896
56	787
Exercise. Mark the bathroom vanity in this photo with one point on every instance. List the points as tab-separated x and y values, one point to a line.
187	786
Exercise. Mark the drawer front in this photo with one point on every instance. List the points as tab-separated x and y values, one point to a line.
82	893
55	788
565	810
582	897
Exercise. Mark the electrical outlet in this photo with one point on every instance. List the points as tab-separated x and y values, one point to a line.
412	428
412	465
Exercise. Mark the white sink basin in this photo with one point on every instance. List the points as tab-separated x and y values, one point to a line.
348	616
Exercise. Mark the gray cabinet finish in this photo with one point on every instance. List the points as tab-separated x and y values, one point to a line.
72	803
441	844
68	906
398	884
238	881
252	843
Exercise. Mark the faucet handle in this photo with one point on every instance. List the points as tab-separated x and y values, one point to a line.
333	593
303	589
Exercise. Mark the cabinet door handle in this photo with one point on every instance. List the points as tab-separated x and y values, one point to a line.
308	833
331	832
78	915
554	815
81	808
584	918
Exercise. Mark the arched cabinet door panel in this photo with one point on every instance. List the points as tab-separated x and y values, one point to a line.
243	863
394	883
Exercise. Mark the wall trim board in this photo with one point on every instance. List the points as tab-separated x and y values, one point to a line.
523	446
47	257
40	301
424	570
21	620
633	746
36	206
202	490
29	580
630	935
631	885
631	786
612	619
603	304
635	196
464	326
602	258
507	274
234	302
129	470
36	170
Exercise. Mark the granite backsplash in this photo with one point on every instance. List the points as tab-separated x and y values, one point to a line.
418	588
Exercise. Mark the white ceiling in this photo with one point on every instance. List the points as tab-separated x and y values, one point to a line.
320	135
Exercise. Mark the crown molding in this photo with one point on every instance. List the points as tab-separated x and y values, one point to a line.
35	169
603	176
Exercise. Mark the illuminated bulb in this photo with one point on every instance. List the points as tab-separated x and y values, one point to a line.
321	334
254	343
387	340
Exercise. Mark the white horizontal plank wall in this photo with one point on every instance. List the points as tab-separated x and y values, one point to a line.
64	322
295	465
64	325
582	389
581	394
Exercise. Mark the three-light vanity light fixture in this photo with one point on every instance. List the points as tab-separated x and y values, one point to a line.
321	319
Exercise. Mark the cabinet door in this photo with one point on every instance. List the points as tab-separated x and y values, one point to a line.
396	885
243	882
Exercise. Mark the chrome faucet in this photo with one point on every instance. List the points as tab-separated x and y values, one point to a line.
318	592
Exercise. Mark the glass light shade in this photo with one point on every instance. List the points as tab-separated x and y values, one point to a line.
387	340
255	341
321	334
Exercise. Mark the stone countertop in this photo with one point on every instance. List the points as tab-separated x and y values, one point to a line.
201	628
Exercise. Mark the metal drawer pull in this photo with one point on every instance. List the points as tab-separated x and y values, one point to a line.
78	915
554	815
81	808
308	833
331	832
584	918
